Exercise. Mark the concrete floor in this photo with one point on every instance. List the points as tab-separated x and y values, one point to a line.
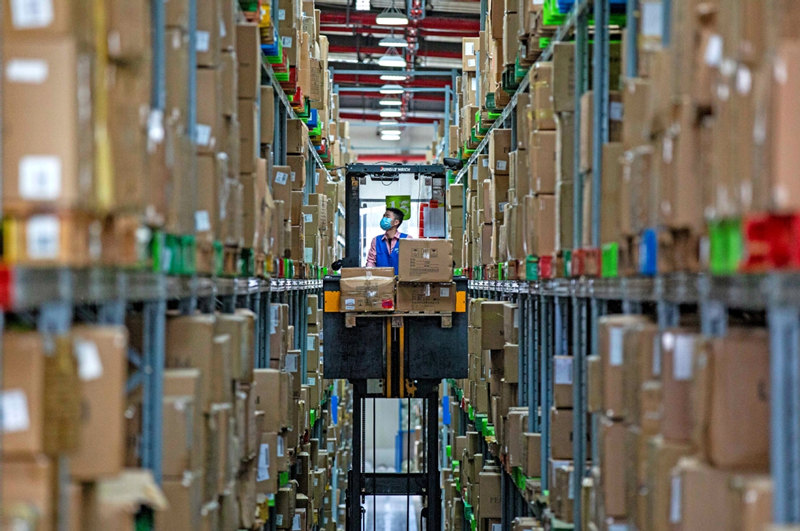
390	514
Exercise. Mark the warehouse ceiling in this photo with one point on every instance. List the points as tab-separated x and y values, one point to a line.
433	33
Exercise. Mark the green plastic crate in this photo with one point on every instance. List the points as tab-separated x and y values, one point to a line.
610	260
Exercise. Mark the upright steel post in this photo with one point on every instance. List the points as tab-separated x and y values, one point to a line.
600	126
784	333
581	81
631	48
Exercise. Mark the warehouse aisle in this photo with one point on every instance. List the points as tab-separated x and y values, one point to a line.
391	514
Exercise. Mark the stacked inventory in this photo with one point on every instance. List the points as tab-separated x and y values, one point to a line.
641	172
140	165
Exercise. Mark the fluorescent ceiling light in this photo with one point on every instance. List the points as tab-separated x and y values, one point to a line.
391	131
393	42
389	102
362	5
391	89
391	17
391	113
391	58
390	123
400	76
390	138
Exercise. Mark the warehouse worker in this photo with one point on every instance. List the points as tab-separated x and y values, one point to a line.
384	251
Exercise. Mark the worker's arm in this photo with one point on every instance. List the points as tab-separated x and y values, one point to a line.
372	255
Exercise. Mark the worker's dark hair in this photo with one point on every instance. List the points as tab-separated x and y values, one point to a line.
397	213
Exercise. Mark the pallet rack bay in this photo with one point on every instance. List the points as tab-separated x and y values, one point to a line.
560	316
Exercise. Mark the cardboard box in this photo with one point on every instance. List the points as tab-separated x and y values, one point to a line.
492	325
562	382
611	342
614	462
249	146
47	139
296	137
564	212
248	53
544	226
533	454
23	394
367	289
565	147
102	353
28	483
267	114
499	148
561	433
700	497
185	499
180	446
563	85
426	297
679	349
489	493
270	391
425	260
189	343
543	161
739	388
511	363
470	47
209	110
614	114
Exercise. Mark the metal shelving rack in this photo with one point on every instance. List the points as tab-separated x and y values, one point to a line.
561	316
53	298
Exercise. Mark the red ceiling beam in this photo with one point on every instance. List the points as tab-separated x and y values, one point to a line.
368	19
418	96
394	157
377	50
383	31
358	116
421	82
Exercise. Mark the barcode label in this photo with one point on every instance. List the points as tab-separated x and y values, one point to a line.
203	38
262	473
14	405
31	71
29	14
40	177
43	237
89	365
615	346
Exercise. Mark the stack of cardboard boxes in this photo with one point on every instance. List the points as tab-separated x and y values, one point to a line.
64	395
84	189
490	392
671	454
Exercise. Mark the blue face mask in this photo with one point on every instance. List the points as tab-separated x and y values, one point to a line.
386	223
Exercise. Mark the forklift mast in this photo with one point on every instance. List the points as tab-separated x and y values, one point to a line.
392	355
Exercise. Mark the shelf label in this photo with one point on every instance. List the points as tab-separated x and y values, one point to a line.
28	14
202	134
615	346
263	463
682	358
652	19
43	237
563	366
202	221
40	177
14	405
675	500
291	362
89	365
30	71
203	38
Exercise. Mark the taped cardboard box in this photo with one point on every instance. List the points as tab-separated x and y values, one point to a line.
367	289
499	147
189	343
425	260
102	353
679	350
611	341
426	297
27	485
47	141
23	394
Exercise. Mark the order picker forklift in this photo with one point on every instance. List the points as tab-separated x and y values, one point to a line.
392	355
